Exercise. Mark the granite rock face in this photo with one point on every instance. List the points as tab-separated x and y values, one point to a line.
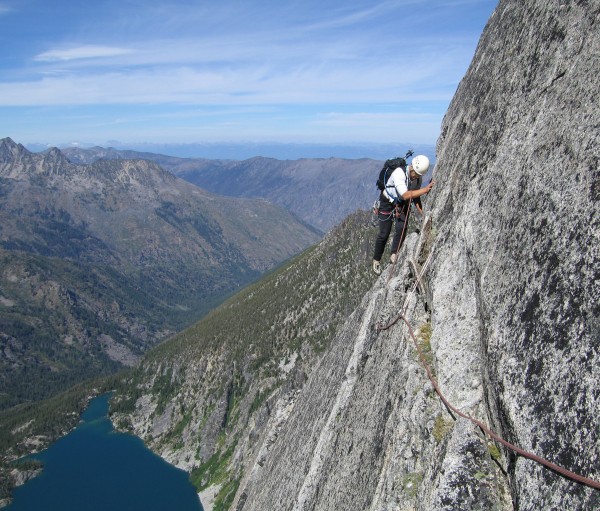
367	430
511	302
518	195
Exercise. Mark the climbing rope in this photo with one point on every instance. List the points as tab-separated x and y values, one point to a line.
561	470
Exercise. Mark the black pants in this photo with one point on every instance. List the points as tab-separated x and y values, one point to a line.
386	219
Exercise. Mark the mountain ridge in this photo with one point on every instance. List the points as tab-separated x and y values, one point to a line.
320	191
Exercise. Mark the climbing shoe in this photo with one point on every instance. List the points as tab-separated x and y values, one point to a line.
376	267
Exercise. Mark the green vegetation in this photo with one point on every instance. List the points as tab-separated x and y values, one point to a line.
138	275
54	310
50	329
292	313
88	267
214	470
424	343
411	483
494	451
47	419
226	494
441	428
261	397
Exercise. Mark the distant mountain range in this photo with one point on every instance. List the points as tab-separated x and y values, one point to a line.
322	192
244	151
102	261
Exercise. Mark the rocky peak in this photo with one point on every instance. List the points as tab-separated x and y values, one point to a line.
13	158
54	162
17	162
10	150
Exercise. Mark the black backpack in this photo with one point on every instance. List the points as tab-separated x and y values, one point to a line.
388	167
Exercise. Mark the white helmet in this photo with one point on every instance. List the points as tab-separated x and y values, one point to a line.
420	164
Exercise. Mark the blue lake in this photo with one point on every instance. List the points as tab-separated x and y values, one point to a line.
94	468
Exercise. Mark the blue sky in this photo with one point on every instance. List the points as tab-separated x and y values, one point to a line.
187	71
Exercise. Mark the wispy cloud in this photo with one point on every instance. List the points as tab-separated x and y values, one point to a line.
234	84
82	52
233	60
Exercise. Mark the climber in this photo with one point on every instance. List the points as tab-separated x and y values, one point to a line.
401	188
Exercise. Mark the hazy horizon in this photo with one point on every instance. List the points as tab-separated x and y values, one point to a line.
246	150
